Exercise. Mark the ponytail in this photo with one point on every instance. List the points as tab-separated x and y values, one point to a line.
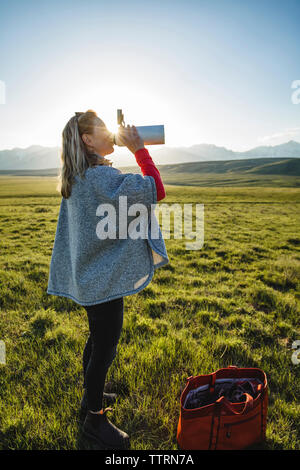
75	158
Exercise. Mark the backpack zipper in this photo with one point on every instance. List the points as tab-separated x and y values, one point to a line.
228	425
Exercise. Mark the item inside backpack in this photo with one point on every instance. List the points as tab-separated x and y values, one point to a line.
232	389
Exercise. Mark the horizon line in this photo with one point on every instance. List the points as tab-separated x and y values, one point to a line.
166	146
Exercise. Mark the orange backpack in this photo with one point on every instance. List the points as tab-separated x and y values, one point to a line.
224	425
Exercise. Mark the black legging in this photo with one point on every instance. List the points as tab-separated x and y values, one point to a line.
105	323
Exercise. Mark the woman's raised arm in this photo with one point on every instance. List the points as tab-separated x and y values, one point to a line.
148	167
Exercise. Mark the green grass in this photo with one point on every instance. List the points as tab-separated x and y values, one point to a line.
235	301
252	172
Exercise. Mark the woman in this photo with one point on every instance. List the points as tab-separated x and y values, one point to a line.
94	267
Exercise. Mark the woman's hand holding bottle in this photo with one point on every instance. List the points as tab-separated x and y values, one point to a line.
129	137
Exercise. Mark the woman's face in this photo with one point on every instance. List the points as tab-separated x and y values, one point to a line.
100	141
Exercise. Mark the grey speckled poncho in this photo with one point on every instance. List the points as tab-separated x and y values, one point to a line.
90	269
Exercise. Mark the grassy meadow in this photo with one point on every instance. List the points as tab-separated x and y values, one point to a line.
235	301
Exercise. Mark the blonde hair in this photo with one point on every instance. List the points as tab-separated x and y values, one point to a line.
75	155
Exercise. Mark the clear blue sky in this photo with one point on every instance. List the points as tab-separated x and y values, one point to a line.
213	71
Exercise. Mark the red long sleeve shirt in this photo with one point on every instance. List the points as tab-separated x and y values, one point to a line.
148	168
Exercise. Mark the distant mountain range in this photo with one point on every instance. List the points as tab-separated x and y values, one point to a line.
37	157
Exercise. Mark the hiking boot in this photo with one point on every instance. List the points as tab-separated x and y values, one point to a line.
98	428
109	398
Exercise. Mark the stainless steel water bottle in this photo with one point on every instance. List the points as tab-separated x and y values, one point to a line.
151	135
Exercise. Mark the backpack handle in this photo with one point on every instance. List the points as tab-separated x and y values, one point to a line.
227	404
